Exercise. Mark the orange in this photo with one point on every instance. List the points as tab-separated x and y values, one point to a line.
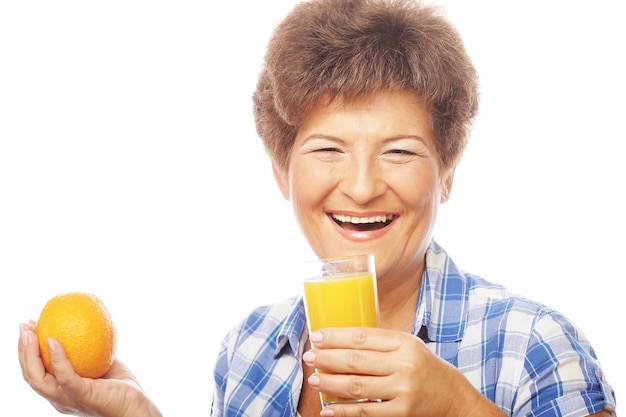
83	325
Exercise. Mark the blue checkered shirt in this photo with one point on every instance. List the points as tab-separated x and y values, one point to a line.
525	357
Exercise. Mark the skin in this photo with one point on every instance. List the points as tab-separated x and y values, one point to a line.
367	158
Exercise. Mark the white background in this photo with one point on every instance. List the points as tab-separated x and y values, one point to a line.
130	168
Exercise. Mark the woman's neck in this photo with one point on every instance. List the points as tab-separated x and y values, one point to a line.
397	300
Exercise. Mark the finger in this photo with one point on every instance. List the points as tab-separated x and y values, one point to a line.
357	338
350	361
33	370
22	344
68	379
360	387
366	408
119	370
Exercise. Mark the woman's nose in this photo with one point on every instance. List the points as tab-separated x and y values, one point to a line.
362	181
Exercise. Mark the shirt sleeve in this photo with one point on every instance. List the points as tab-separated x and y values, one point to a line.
220	373
562	376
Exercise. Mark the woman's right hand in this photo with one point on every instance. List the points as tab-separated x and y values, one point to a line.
116	394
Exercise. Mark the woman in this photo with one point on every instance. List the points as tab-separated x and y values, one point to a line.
364	108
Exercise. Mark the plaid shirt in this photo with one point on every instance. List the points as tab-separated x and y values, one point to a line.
527	358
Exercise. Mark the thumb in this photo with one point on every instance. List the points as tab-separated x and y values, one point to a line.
63	369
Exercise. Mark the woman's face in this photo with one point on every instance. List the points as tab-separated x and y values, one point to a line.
364	177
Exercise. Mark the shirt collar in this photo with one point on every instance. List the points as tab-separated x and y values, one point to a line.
293	333
443	300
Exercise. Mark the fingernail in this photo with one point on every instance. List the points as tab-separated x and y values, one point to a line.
52	345
314	380
309	356
327	412
316	337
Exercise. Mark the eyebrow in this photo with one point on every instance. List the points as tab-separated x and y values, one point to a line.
321	136
386	140
400	137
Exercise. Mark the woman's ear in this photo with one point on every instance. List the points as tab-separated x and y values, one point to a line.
281	180
446	185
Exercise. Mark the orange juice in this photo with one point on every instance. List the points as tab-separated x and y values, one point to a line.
343	300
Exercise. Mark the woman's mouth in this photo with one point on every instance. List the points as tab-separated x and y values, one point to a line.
362	224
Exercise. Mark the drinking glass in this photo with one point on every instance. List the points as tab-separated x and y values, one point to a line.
341	292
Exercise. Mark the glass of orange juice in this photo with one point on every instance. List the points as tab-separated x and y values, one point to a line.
341	292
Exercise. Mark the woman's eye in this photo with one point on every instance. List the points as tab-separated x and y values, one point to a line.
401	152
327	150
400	156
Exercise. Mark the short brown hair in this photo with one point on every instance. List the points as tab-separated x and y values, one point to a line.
350	48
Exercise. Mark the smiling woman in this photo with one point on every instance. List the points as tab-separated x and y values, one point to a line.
128	156
365	108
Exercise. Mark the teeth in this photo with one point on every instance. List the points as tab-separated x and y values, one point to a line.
359	220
